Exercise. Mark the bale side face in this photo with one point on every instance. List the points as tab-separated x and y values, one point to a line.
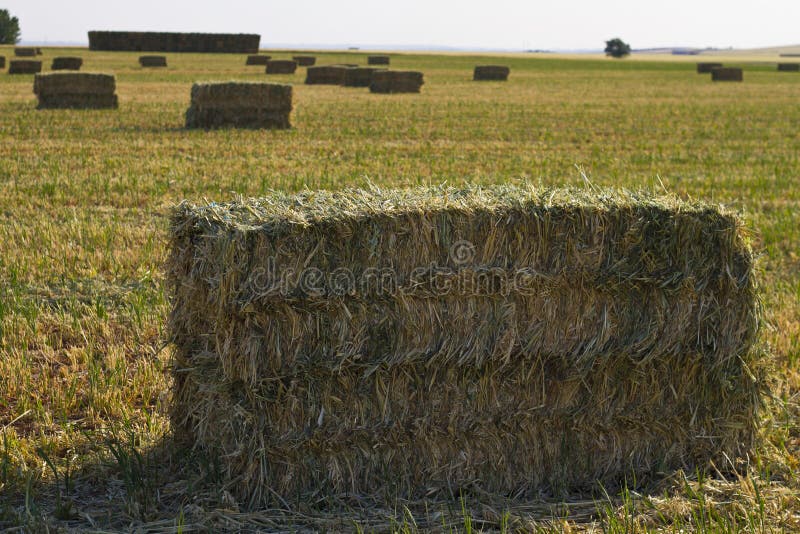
491	73
257	60
788	67
727	74
153	61
359	76
66	63
74	83
377	60
305	61
705	68
281	66
24	66
240	105
24	51
327	74
396	81
626	346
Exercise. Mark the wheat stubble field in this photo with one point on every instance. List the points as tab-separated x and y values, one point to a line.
84	203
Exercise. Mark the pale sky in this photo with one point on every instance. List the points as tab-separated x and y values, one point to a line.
470	24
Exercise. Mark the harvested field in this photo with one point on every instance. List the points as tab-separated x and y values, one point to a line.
706	68
24	66
491	73
726	74
281	66
305	61
153	61
396	81
66	63
377	60
75	90
239	105
359	76
257	60
327	74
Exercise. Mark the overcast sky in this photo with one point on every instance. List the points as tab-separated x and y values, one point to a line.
478	24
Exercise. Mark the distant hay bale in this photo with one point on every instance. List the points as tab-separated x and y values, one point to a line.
359	76
377	60
396	81
24	66
24	51
75	90
66	63
305	61
240	105
790	55
705	68
153	61
788	67
404	343
229	43
327	74
491	73
2	62
281	66
256	59
727	74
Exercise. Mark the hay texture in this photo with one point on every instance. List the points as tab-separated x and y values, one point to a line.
75	90
231	43
705	68
66	63
24	66
396	81
404	343
305	61
24	51
255	59
240	105
281	66
153	61
327	74
727	74
788	67
359	76
377	60
491	73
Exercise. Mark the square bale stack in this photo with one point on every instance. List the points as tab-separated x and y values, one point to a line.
727	74
66	63
281	66
257	59
705	68
377	60
24	66
359	76
75	90
491	73
396	81
305	61
153	61
240	105
404	343
25	51
327	74
788	67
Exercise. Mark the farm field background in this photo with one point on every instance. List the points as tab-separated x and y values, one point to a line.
84	204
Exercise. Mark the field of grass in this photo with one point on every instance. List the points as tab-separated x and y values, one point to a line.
84	198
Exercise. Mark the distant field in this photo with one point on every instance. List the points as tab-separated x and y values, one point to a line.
84	195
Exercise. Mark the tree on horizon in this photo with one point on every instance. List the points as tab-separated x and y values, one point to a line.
617	48
9	28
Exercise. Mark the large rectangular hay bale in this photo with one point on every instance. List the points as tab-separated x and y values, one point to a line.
24	66
281	66
705	68
66	63
256	59
788	67
403	343
396	81
305	61
727	74
75	90
359	76
25	51
327	74
491	73
153	61
231	43
377	60
239	105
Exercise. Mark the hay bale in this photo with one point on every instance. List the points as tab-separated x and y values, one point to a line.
230	43
400	343
2	62
24	51
788	67
359	76
726	74
153	61
75	90
239	105
705	68
396	81
377	60
491	73
66	63
305	61
257	59
281	66
24	66
327	74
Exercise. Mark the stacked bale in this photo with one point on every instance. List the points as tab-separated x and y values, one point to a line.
726	74
400	343
305	61
75	90
153	61
396	81
256	59
377	60
231	43
491	73
239	105
327	74
24	66
281	66
788	67
359	76
66	63
24	51
705	68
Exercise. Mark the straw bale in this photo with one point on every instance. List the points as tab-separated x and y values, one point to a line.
74	83
281	66
396	81
153	61
327	74
377	60
305	61
491	73
256	59
727	74
359	76
66	63
24	51
240	105
24	66
705	68
519	339
2	62
788	67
